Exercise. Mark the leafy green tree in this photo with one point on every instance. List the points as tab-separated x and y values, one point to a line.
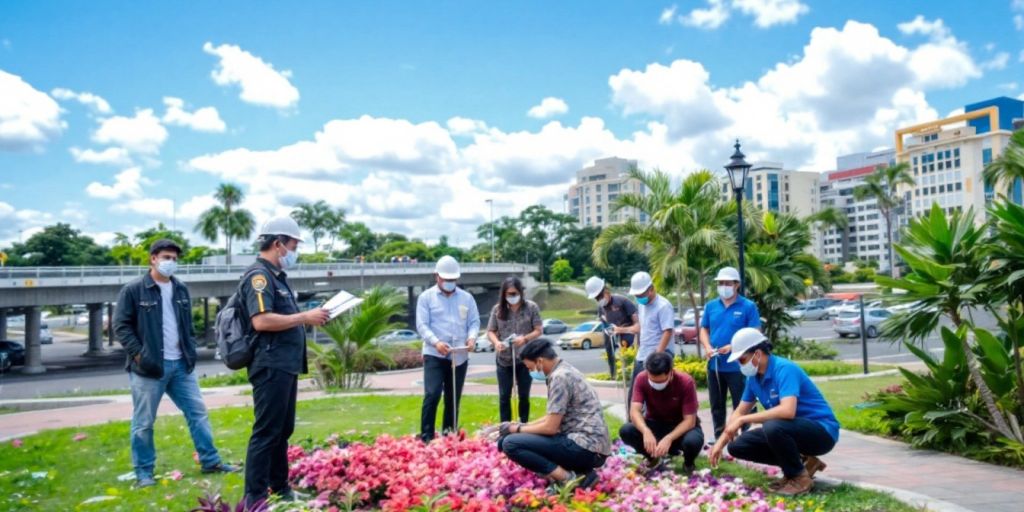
882	186
145	239
579	248
561	271
121	252
545	232
444	249
400	248
358	238
59	245
1008	168
317	217
227	218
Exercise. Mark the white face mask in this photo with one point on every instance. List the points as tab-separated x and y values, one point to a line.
749	369
289	260
726	292
603	302
513	299
657	386
167	268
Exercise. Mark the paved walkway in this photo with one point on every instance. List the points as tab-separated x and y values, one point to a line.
952	483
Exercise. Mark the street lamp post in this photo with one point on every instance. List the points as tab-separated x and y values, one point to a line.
491	203
738	168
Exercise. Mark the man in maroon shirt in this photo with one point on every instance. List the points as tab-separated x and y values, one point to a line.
669	425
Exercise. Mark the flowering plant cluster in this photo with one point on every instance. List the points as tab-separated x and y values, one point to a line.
457	474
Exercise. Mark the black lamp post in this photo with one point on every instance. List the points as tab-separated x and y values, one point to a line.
738	168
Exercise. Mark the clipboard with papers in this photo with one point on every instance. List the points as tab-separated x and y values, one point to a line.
340	303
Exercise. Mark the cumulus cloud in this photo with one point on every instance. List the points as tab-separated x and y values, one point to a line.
260	83
708	18
919	25
768	13
141	133
668	15
146	207
465	126
127	184
29	119
205	119
95	103
548	107
109	156
997	62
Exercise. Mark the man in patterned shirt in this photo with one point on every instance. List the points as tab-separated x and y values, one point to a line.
572	438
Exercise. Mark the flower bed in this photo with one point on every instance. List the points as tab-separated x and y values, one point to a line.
394	474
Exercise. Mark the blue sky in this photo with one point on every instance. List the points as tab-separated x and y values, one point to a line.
114	116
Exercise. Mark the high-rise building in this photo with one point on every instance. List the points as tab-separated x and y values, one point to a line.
864	237
772	188
947	157
592	198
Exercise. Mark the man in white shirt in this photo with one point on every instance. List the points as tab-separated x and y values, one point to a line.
657	319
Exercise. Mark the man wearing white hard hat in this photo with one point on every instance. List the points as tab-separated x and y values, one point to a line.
279	358
447	319
656	319
723	317
798	425
615	310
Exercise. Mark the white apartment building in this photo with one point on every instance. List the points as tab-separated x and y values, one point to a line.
592	197
865	235
772	188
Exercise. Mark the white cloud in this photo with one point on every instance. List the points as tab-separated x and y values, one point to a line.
146	207
1018	22
141	133
94	102
710	18
768	13
1009	86
261	84
205	119
29	119
668	15
109	156
465	126
548	107
679	93
998	62
127	184
1021	57
919	25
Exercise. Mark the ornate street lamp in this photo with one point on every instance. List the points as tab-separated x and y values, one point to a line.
738	168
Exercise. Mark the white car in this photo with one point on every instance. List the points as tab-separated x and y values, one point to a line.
399	336
483	344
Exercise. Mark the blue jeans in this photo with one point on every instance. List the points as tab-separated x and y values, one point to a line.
542	454
183	388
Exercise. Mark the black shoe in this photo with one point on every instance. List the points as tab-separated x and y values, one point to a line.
222	467
589	479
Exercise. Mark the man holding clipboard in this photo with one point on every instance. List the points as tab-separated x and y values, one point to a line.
447	319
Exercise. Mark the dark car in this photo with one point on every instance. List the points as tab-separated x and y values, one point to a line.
15	352
554	326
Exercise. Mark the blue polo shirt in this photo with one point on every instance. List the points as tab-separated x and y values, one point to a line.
723	322
784	378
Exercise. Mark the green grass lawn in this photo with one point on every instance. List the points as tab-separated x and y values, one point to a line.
569	307
845	395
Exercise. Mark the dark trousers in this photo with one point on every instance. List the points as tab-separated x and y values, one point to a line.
782	442
718	384
437	378
543	454
638	366
523	383
609	352
266	461
689	445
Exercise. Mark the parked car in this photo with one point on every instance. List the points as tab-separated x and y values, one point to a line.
554	326
685	331
45	336
824	302
483	343
585	336
13	351
690	314
808	312
848	322
399	336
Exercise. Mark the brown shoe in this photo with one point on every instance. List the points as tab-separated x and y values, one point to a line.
813	464
797	485
778	484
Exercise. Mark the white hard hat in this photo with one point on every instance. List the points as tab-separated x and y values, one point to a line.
447	268
594	287
281	226
744	340
639	283
728	274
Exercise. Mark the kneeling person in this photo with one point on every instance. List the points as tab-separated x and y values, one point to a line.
571	440
670	426
797	426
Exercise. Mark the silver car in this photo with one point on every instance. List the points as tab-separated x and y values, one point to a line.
848	322
808	312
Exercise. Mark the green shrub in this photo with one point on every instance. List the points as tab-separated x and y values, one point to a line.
793	347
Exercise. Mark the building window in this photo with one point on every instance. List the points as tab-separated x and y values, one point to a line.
613	187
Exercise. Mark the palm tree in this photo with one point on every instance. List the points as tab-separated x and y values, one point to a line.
335	225
317	217
834	218
226	218
882	186
686	238
1009	167
122	249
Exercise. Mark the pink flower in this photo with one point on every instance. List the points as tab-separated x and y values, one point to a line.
17	443
81	436
175	475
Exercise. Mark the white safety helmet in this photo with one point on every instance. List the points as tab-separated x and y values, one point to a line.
728	274
639	283
281	226
744	340
594	287
447	268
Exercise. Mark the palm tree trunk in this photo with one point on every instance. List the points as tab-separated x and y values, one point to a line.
227	247
1001	426
888	229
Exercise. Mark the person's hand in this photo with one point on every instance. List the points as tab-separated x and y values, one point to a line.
709	352
316	316
733	427
471	343
138	358
505	428
500	346
650	443
716	453
725	350
519	341
663	447
618	330
442	348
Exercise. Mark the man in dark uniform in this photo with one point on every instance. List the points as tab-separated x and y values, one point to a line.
279	357
614	310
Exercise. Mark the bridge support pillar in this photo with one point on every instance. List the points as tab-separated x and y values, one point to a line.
95	330
3	323
33	347
412	307
110	324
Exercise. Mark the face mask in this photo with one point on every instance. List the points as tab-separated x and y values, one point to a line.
726	292
289	260
658	386
538	375
749	369
513	299
603	302
166	268
643	300
448	286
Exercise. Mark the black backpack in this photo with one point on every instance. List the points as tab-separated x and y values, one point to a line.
236	340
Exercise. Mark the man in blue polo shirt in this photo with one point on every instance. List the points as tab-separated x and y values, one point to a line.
798	425
722	318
